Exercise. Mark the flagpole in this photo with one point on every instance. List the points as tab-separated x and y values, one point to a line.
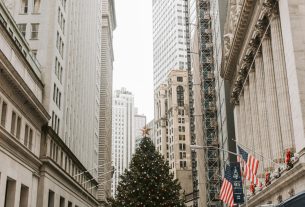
256	152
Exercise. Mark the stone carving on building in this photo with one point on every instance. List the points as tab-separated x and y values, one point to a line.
232	21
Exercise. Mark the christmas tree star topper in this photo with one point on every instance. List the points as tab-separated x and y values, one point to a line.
145	131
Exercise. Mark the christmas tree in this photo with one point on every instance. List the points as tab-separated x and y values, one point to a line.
148	182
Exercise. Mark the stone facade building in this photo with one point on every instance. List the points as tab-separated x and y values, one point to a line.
105	118
264	61
172	135
37	168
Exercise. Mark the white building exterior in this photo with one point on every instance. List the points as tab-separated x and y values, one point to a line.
169	38
122	133
37	168
70	67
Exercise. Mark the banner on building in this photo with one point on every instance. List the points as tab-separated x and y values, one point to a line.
237	183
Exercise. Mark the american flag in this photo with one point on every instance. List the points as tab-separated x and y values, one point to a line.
250	165
226	191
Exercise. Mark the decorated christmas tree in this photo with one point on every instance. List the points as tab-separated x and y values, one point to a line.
148	182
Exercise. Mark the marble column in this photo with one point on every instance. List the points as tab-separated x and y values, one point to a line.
237	122
249	132
281	82
255	119
242	120
271	101
262	109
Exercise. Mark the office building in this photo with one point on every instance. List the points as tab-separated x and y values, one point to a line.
263	47
172	127
105	118
122	133
71	67
37	168
169	38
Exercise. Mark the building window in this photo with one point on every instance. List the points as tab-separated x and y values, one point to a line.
182	164
18	127
181	137
34	34
61	202
22	29
36	6
181	147
24	6
24	196
3	113
30	139
9	200
180	79
26	135
34	52
180	96
51	199
13	123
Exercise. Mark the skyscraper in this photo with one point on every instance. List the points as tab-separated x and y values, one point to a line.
169	38
172	137
70	67
105	125
38	168
122	133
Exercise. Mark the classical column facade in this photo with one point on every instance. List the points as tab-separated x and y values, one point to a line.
242	119
262	109
281	81
257	146
249	132
271	100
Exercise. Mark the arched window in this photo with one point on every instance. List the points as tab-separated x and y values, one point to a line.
180	96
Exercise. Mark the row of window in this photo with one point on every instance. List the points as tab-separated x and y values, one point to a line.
58	70
51	201
11	191
67	164
24	9
61	20
60	44
56	96
55	122
16	124
34	30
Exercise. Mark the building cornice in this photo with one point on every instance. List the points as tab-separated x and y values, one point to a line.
236	68
7	69
227	71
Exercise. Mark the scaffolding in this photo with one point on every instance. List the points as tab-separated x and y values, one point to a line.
209	111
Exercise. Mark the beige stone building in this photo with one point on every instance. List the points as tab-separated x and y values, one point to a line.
172	127
264	61
37	168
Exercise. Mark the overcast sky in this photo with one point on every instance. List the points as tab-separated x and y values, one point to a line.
133	64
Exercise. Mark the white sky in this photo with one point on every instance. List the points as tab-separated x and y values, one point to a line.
133	52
